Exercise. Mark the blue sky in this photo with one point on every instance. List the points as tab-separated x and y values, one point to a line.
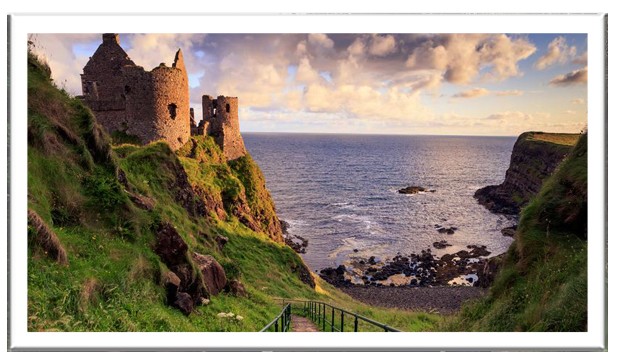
467	84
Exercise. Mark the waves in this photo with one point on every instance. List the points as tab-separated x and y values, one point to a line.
341	192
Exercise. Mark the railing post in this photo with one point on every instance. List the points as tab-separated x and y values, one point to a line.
276	326
342	320
323	316
332	324
355	324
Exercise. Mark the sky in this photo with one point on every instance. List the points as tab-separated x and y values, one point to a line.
454	84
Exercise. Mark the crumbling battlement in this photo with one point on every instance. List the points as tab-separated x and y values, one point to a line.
220	121
150	105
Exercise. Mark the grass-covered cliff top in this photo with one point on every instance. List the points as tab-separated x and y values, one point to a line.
557	138
95	212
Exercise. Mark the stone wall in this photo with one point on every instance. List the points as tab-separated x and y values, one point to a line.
103	82
220	120
124	97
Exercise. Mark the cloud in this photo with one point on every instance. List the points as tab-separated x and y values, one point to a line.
577	101
374	83
472	93
505	93
510	116
461	57
321	40
581	59
382	45
558	51
575	77
65	62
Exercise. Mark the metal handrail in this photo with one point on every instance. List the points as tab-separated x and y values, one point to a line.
317	312
284	317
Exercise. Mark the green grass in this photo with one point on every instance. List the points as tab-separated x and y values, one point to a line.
556	138
543	284
113	278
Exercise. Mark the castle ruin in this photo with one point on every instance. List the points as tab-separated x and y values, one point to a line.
154	105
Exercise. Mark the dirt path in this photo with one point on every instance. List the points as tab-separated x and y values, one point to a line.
445	300
302	324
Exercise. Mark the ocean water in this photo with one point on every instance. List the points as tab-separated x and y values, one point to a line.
340	191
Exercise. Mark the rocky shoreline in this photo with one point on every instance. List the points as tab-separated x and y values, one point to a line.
467	267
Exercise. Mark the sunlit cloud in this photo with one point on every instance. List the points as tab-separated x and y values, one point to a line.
472	93
575	77
402	83
558	51
506	93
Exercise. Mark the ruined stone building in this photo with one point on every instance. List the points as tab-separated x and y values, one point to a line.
154	105
220	121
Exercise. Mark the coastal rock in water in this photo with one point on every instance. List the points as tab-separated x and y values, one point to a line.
509	231
212	273
441	244
412	190
445	230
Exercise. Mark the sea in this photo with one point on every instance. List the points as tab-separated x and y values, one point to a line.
341	192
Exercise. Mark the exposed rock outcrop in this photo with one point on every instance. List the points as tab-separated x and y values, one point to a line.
173	251
535	156
212	273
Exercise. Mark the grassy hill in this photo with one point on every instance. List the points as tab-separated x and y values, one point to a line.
94	210
543	283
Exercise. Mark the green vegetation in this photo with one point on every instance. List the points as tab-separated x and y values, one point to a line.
543	283
85	191
555	138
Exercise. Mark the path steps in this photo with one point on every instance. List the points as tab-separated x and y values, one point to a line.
302	324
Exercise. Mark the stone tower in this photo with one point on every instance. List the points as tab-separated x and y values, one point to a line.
220	120
150	105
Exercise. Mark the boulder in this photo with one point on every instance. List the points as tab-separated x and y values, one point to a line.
184	302
236	288
172	285
221	241
212	273
170	247
509	231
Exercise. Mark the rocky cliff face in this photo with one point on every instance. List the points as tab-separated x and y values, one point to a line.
535	156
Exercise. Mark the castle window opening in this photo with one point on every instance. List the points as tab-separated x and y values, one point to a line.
227	108
127	89
172	110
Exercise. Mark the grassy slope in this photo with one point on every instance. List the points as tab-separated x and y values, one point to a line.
113	280
543	284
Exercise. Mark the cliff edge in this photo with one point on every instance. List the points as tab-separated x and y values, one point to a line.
535	156
542	285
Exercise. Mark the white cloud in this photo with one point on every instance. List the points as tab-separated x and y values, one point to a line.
58	51
462	56
472	93
575	77
577	101
321	40
558	51
505	93
382	45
